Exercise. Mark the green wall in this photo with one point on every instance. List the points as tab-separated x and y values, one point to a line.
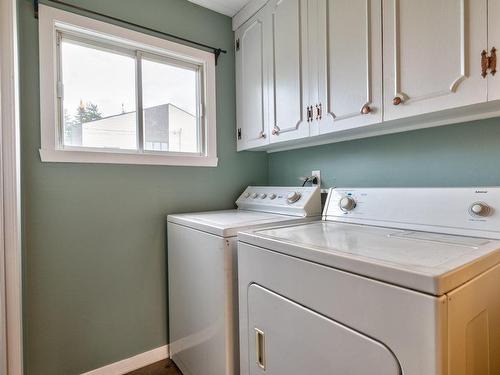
456	155
95	282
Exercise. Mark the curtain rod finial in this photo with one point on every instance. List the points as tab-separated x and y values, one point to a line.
217	52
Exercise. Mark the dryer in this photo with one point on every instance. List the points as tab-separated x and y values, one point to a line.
391	281
202	273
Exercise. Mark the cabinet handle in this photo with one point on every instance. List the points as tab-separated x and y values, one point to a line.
260	354
319	111
397	100
262	134
493	61
366	109
485	62
276	130
309	113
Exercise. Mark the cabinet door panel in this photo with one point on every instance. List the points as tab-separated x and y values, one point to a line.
289	70
251	83
349	48
494	42
432	55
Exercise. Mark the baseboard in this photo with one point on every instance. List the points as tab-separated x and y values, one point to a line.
133	363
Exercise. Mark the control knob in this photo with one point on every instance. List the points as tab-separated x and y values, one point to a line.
254	195
293	197
480	209
247	195
272	196
263	196
347	204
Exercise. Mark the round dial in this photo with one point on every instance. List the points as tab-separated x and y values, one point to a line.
254	195
347	204
263	196
480	209
293	197
272	196
247	195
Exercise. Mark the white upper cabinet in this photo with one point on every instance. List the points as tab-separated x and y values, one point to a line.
432	55
320	71
347	39
252	48
289	83
493	47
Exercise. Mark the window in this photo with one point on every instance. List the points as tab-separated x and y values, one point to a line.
113	95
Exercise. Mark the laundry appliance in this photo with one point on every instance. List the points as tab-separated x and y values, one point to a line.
390	282
202	277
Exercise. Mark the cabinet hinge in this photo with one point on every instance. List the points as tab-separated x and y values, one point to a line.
237	45
239	134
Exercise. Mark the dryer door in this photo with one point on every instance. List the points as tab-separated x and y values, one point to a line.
286	338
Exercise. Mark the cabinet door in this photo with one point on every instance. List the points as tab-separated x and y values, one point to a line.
286	338
289	70
494	43
474	326
252	58
348	44
432	55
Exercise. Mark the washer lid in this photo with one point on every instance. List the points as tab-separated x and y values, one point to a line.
227	223
429	262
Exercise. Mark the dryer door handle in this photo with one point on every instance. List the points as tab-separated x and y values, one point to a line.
260	348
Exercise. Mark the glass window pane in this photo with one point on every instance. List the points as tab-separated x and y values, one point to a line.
170	103
99	104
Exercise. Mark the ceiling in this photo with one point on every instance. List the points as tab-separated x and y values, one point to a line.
227	7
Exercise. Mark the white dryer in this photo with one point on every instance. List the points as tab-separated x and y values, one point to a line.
202	277
390	282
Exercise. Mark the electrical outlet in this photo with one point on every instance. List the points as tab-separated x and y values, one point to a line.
317	174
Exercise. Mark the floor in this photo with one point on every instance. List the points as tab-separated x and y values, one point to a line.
165	367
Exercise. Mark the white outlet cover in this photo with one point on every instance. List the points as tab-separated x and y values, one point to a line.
318	175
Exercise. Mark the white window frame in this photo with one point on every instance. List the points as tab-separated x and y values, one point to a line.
52	21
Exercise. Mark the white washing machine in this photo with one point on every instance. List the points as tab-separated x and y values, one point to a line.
390	282
202	277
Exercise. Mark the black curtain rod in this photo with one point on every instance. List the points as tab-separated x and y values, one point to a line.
215	50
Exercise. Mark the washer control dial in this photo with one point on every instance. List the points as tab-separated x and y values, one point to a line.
247	195
347	204
293	197
272	196
254	195
480	209
263	196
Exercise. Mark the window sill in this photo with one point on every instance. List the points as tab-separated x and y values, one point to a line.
62	156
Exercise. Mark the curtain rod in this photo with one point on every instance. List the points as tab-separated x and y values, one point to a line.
215	50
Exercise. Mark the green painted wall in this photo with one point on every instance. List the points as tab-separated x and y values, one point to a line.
456	155
95	282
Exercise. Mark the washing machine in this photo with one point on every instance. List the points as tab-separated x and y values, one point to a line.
389	282
202	273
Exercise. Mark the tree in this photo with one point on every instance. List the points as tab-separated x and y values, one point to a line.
87	113
84	113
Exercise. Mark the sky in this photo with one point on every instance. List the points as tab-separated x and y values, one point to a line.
108	80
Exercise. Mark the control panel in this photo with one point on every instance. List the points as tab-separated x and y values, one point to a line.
462	211
295	201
